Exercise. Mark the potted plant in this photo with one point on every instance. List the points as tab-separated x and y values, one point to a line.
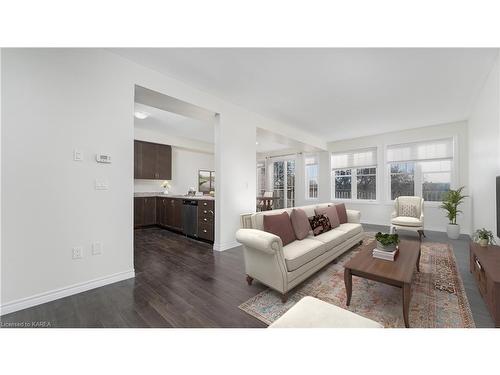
166	186
484	237
387	242
452	200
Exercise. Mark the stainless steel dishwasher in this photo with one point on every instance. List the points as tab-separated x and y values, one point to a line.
190	217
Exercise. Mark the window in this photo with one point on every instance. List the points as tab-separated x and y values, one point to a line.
284	183
261	178
366	181
423	169
311	176
355	174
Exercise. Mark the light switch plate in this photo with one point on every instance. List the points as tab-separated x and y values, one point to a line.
101	184
77	155
77	252
97	248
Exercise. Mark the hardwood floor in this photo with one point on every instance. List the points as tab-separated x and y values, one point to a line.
181	282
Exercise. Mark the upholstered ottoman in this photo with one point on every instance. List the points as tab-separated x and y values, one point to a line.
311	312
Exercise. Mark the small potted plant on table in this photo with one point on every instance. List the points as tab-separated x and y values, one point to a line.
484	237
387	242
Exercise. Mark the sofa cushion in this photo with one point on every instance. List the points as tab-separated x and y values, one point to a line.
407	221
341	212
300	252
281	226
331	212
351	229
332	238
319	224
300	223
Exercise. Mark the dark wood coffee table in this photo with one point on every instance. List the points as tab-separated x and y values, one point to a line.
398	273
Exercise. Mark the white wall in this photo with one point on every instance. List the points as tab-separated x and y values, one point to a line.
56	100
379	212
484	150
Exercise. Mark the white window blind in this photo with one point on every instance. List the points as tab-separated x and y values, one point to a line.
355	159
421	151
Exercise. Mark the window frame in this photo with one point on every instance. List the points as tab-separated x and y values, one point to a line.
418	175
354	185
306	180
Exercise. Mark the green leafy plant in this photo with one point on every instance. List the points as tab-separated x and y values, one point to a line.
452	200
484	234
387	239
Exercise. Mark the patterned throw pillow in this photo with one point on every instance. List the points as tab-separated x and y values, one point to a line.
408	210
320	224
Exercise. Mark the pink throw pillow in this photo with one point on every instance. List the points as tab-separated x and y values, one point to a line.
300	223
331	212
342	213
281	226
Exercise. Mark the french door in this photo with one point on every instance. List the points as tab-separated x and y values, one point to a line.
284	183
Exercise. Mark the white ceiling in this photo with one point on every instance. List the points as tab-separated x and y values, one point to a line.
269	142
173	124
335	93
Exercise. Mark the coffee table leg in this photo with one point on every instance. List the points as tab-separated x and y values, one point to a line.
348	284
406	303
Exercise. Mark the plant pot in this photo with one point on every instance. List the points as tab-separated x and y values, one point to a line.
483	242
453	231
389	248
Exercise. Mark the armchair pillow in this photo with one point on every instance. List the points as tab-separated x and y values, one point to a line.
332	214
281	226
320	224
408	210
342	213
300	223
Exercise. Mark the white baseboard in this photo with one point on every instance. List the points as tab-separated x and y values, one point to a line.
52	295
226	246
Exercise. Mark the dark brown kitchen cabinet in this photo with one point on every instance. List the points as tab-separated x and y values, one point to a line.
152	161
144	211
169	213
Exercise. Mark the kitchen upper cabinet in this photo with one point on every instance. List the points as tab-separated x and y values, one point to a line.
152	161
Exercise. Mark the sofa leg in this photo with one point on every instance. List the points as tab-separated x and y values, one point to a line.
361	242
249	280
335	261
284	297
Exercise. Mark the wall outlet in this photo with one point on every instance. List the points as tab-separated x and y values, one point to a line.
77	252
77	155
97	248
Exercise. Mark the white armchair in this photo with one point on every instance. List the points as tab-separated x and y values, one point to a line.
408	214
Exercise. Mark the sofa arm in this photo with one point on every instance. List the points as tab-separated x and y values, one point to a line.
394	214
259	240
353	216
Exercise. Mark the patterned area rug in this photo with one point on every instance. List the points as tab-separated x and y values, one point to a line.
438	299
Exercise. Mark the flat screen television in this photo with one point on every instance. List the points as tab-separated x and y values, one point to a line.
498	206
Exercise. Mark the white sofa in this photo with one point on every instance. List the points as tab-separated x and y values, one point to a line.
284	267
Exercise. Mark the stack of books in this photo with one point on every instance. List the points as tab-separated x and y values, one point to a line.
385	255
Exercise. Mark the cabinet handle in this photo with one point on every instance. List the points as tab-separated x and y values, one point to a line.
205	203
204	231
205	219
478	264
204	211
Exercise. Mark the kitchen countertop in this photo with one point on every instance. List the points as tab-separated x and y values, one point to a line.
161	195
